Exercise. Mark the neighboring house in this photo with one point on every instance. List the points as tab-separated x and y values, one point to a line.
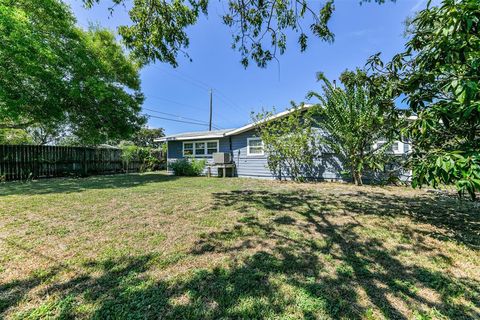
246	149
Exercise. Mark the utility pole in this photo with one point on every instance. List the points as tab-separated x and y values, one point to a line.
210	122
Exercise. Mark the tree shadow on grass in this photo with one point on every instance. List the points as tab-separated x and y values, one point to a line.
69	185
460	218
299	262
366	264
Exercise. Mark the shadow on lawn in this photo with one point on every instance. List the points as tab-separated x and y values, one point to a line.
366	263
288	272
74	184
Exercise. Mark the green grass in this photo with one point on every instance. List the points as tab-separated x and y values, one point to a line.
156	246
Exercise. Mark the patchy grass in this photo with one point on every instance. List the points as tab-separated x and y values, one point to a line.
155	246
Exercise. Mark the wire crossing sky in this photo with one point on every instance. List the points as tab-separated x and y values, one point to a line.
178	99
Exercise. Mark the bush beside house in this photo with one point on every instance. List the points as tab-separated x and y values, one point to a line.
150	159
188	167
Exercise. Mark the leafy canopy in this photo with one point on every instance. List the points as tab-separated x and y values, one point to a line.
259	27
145	137
53	74
354	118
440	74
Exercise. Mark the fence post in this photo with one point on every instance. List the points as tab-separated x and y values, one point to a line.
84	163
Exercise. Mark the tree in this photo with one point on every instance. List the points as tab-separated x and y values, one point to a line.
53	74
440	75
145	137
259	27
353	118
289	143
14	136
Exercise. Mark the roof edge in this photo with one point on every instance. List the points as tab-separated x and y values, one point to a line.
245	128
273	117
164	139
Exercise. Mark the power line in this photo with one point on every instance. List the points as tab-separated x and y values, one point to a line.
192	81
185	105
175	115
176	120
181	121
175	102
180	117
202	85
228	101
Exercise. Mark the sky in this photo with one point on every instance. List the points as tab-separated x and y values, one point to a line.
182	93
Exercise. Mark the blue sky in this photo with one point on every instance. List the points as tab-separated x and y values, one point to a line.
360	31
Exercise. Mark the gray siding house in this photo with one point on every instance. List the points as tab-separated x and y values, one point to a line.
246	149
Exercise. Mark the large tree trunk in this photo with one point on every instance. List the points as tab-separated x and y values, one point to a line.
357	177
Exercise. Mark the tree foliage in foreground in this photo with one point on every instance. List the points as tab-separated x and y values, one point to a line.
354	118
289	142
259	28
440	74
15	136
55	75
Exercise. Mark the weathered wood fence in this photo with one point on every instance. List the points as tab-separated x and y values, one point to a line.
19	162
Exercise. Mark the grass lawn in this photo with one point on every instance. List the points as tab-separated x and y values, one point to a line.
156	246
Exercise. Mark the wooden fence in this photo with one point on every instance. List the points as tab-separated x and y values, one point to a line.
20	162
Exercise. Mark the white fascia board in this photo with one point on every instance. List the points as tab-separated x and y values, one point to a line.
235	131
184	138
276	116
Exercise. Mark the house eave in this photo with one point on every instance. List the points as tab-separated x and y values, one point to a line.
276	116
245	128
185	138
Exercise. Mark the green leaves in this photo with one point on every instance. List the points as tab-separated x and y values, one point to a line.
158	28
53	74
461	168
439	74
355	117
290	143
259	28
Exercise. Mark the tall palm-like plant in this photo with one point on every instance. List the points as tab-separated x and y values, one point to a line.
354	117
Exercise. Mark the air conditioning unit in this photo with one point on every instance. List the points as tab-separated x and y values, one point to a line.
222	157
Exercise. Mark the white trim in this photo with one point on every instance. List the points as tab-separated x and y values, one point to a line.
273	117
185	138
234	131
193	142
400	144
248	147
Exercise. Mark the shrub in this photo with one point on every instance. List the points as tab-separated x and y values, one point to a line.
188	167
149	159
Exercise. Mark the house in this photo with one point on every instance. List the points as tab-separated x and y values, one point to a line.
246	149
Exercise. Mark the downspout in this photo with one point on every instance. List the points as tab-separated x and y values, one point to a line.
167	155
231	154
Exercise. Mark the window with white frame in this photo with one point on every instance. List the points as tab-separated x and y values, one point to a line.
254	147
212	147
187	149
395	147
200	148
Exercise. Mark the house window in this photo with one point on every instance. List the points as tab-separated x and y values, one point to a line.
395	147
200	148
187	149
212	147
254	147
